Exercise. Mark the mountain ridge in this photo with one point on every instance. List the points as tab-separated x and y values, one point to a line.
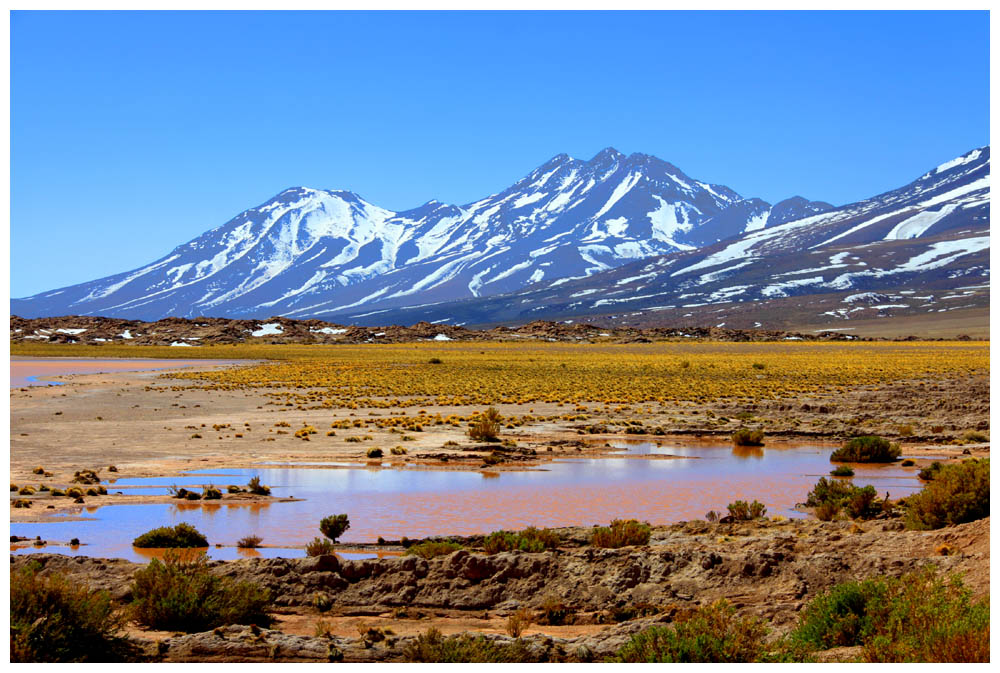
307	252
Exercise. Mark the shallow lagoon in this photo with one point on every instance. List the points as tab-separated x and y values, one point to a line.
393	503
26	371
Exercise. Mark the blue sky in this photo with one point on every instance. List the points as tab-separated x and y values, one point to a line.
133	132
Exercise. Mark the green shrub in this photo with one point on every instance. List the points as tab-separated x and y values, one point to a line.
319	547
530	539
621	534
828	491
976	437
254	486
433	647
487	426
712	634
334	526
748	437
830	496
433	548
182	535
741	511
182	595
55	620
929	472
957	494
861	504
866	449
920	617
842	471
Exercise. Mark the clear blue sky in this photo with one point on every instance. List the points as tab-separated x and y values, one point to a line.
135	132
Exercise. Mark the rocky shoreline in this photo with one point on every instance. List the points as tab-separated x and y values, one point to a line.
767	568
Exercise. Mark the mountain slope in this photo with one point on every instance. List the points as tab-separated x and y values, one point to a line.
923	247
308	252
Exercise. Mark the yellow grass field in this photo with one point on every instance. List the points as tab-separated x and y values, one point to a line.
458	374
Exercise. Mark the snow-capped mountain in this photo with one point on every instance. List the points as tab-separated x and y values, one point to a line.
920	248
309	252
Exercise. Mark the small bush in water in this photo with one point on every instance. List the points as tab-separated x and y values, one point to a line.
867	449
334	526
179	536
748	437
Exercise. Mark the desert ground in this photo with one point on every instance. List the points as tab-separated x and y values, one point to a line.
158	424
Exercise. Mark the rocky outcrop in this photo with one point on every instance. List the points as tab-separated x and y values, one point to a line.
97	331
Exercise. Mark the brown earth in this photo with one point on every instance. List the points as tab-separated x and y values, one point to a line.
767	568
204	331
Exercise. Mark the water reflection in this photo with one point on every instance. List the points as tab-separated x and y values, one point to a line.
393	503
745	452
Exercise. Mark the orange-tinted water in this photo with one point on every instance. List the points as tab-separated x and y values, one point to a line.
393	503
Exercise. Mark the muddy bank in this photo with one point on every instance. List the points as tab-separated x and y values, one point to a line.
767	568
146	427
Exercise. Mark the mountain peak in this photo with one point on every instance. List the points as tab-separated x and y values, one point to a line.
607	154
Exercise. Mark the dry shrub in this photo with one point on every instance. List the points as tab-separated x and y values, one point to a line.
181	594
748	437
319	547
432	549
530	539
621	533
711	634
55	620
518	622
249	542
487	427
433	647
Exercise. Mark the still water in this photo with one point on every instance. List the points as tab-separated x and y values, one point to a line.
393	503
25	371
